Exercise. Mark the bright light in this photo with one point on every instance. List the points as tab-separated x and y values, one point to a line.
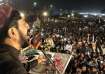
68	16
82	13
103	14
85	16
95	14
35	4
72	14
56	21
90	13
45	13
65	39
1	0
22	14
51	6
1	3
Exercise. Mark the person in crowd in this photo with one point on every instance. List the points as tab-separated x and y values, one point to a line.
49	42
68	47
13	34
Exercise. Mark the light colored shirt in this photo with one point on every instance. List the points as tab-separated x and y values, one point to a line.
68	47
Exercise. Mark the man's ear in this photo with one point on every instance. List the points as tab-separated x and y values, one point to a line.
12	33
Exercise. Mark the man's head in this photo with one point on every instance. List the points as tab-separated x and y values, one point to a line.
13	27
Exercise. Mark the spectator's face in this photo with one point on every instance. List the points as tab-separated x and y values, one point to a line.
84	68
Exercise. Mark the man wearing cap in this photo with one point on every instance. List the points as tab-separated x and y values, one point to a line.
13	33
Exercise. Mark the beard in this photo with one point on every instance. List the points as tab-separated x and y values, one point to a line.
24	40
25	44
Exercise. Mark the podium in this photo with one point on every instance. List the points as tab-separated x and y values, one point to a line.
59	61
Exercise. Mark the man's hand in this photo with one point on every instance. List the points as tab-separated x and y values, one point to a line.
23	59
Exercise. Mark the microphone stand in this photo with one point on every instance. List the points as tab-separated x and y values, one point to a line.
50	60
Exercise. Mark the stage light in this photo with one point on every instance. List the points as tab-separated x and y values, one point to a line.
45	13
85	16
95	14
103	14
72	14
22	14
35	4
68	16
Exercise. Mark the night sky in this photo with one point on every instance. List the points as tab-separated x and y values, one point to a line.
80	5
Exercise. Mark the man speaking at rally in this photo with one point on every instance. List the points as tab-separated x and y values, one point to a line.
13	34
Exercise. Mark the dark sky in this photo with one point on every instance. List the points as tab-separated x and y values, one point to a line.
81	5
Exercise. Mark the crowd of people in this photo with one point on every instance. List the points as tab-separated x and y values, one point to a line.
84	38
83	31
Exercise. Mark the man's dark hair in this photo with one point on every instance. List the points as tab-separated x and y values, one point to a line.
9	22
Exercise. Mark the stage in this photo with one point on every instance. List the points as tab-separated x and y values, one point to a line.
55	63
